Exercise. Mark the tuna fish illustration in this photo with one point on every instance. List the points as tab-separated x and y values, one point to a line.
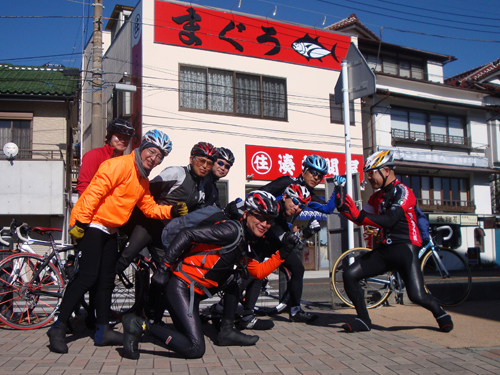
312	49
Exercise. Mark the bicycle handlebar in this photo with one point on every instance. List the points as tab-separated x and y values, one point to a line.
2	241
445	227
18	232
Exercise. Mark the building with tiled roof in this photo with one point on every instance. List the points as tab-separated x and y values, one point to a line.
444	133
484	77
39	113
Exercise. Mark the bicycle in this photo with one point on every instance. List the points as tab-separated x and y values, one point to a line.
446	276
32	286
128	294
274	295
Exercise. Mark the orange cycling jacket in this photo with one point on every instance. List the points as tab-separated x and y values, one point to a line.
112	194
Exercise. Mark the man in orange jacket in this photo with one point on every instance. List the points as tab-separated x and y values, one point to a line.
106	204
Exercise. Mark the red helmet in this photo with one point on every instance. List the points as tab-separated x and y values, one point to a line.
299	192
205	149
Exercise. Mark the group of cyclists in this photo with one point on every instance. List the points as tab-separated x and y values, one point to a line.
200	249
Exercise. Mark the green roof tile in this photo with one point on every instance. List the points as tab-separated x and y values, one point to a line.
37	80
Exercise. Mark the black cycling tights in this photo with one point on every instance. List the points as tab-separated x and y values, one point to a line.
294	263
187	339
96	268
400	257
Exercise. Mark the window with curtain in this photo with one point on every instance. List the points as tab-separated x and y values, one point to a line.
223	91
19	132
438	191
397	66
420	125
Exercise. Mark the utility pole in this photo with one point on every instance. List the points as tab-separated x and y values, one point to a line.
97	132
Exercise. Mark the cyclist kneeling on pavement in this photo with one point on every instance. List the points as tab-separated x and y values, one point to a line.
199	262
392	209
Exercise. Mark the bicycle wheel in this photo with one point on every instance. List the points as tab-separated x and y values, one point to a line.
274	295
129	291
448	279
29	295
376	289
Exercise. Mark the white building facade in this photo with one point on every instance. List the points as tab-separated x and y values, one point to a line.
256	86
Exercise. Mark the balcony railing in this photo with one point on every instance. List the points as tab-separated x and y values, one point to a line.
442	205
37	154
406	136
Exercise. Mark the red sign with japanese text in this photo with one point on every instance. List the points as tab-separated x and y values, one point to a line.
213	30
269	163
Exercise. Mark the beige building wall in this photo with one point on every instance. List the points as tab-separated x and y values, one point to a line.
308	91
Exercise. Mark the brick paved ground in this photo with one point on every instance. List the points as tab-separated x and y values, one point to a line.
289	348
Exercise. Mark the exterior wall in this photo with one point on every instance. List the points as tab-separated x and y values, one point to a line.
308	90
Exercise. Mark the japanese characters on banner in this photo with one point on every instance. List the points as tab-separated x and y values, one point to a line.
213	30
269	163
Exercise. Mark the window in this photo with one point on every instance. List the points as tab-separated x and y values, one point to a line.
409	125
239	94
223	193
396	66
17	131
439	191
337	111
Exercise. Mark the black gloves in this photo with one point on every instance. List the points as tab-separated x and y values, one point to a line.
312	228
289	242
234	210
161	276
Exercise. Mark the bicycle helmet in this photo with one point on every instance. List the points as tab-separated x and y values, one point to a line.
205	149
315	162
262	202
119	126
298	192
226	154
380	159
157	139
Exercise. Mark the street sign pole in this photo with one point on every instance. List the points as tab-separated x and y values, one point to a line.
347	131
356	80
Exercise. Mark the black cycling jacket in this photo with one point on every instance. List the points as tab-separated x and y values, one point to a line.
178	184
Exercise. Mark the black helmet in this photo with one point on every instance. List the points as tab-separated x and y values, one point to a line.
205	149
226	154
121	127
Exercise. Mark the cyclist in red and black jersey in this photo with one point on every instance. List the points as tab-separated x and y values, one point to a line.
392	209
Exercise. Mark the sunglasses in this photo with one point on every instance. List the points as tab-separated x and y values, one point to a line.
203	161
316	173
222	164
372	171
297	203
268	220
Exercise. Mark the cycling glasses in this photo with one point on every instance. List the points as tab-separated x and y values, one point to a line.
372	171
297	203
222	164
261	218
203	161
316	173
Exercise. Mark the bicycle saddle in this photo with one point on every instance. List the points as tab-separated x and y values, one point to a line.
44	231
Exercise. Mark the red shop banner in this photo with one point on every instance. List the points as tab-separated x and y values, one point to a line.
208	29
269	163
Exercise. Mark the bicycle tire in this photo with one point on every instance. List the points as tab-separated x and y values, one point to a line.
453	289
375	292
274	294
128	293
28	303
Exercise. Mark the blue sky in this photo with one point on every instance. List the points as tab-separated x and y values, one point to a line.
53	31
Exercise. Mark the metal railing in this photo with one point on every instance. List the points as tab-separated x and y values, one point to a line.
406	136
440	205
37	154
